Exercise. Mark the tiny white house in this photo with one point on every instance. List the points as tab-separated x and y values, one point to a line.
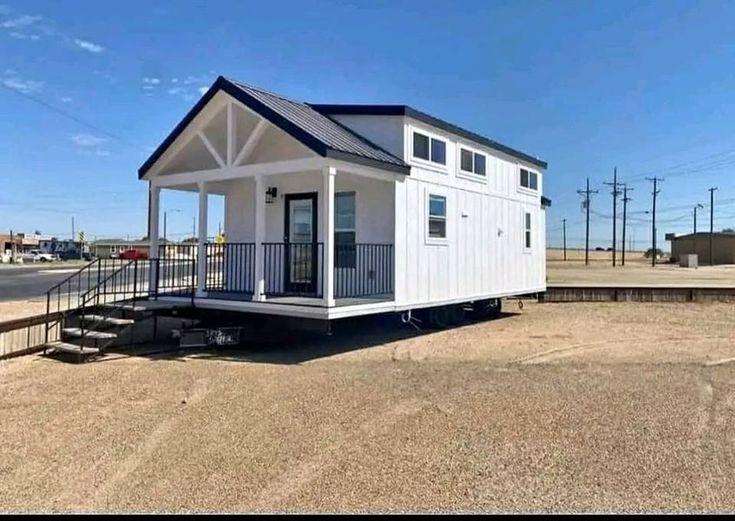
334	211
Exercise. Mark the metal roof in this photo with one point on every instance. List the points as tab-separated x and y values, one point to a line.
316	131
405	110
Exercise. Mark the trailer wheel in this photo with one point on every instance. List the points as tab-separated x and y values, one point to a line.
439	317
483	309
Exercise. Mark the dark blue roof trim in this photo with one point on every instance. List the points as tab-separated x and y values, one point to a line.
405	110
314	130
545	201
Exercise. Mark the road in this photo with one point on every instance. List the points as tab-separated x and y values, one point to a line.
31	282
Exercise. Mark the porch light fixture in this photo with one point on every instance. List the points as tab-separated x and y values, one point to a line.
270	194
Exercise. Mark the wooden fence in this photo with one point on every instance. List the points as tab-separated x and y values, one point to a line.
25	335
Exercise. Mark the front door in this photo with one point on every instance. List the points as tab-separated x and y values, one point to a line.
301	260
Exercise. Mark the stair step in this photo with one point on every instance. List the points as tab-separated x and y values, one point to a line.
97	335
71	348
126	307
108	320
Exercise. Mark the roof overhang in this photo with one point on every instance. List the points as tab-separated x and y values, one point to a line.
224	85
405	110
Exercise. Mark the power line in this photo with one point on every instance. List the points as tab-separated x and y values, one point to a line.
72	117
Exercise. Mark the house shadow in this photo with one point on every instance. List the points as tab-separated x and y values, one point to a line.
287	346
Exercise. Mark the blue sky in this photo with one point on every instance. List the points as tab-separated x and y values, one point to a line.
644	86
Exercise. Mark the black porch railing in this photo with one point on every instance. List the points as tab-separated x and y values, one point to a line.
363	270
293	268
230	267
176	270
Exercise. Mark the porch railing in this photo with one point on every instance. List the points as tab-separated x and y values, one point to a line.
289	269
176	269
363	270
230	267
293	268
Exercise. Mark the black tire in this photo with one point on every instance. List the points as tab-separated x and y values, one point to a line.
438	317
487	309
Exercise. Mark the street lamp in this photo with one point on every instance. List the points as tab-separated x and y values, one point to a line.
174	210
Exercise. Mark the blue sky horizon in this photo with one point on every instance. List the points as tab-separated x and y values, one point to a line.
89	89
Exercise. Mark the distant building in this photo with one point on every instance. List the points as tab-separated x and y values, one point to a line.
723	247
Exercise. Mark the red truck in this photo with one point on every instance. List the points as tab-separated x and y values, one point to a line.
133	254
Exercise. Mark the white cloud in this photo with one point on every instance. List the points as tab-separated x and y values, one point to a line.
174	80
89	46
87	140
20	22
65	99
25	86
203	90
176	90
151	81
23	36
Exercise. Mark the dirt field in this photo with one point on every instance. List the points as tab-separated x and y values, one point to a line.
21	308
567	407
637	273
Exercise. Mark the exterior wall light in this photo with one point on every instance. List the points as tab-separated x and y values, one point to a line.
270	194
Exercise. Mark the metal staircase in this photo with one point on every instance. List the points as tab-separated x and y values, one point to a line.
96	307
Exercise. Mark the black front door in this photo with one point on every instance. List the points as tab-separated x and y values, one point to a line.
301	260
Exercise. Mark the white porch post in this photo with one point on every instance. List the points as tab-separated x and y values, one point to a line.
154	196
202	240
259	290
328	235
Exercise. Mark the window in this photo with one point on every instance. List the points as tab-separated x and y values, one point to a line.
344	230
527	228
472	162
429	149
437	216
420	146
529	179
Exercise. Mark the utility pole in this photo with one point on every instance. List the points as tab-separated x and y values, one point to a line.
615	194
625	211
564	225
586	193
695	228
193	226
164	227
72	228
653	222
711	224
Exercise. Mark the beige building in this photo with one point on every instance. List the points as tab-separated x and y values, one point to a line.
723	247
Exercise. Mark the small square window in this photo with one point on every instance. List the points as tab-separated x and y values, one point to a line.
420	146
466	160
438	151
533	184
479	164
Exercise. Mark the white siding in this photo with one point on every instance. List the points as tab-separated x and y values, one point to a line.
484	254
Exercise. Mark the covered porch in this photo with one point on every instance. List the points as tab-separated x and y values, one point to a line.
299	229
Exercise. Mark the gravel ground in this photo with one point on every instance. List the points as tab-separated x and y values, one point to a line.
599	272
22	308
560	407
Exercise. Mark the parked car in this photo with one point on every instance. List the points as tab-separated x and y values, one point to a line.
133	254
38	256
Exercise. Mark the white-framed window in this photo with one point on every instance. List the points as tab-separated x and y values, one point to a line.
527	230
429	148
437	218
472	162
529	179
344	230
